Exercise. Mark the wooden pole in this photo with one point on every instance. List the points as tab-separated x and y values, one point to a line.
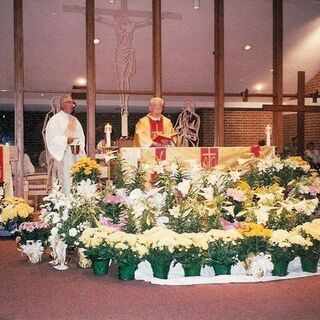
300	115
91	79
278	72
18	96
219	72
156	48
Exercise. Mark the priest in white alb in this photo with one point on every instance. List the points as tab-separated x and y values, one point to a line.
65	141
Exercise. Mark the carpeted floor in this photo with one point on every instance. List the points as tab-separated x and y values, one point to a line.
39	292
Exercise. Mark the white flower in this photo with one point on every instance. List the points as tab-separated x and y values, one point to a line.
184	187
262	214
55	219
86	188
73	232
54	231
207	193
136	194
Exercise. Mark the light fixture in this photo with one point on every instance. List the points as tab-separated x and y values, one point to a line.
259	86
247	47
81	81
271	70
112	1
96	41
196	4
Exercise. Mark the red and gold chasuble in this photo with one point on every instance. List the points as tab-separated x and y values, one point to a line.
156	127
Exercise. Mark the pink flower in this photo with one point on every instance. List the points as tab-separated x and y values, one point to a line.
108	223
113	199
314	190
226	225
237	195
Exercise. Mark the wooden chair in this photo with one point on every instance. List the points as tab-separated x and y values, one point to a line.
36	186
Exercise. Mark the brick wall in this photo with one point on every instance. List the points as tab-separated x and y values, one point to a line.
312	128
313	84
242	127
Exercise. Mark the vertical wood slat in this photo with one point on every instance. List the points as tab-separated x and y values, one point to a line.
278	72
19	95
156	47
219	72
300	115
91	78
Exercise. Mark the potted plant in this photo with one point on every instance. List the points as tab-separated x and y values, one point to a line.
127	253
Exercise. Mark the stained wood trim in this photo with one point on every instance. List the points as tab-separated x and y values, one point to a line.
19	95
91	76
156	48
219	72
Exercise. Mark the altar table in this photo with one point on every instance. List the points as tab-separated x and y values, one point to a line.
227	157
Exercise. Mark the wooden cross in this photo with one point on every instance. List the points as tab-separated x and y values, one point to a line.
122	11
300	108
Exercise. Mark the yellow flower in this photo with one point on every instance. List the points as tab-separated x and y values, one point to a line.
250	229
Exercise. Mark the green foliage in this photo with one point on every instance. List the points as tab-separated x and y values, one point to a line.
119	173
255	245
189	257
100	252
222	252
286	220
137	181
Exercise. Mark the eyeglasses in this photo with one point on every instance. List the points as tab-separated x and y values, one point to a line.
72	102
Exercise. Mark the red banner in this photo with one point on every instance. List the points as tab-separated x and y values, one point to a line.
209	157
1	165
256	151
160	154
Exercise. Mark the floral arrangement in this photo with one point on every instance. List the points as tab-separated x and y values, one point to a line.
275	169
96	242
161	244
111	204
180	214
223	246
255	239
191	248
69	216
14	210
311	232
84	169
126	248
284	245
33	230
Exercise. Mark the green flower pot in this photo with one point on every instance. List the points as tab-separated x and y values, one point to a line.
193	270
280	268
309	263
100	267
126	271
221	269
160	269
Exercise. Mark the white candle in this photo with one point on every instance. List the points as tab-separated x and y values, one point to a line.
268	131
108	131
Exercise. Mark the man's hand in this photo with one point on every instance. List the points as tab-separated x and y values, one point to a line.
156	144
70	140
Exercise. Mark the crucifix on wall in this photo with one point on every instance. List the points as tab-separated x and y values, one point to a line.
300	108
125	61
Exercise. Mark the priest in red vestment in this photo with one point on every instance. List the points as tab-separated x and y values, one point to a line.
154	130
